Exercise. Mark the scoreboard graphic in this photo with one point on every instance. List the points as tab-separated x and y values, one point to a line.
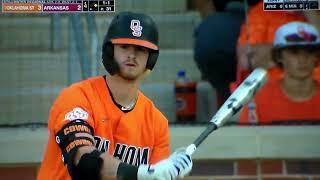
287	5
57	6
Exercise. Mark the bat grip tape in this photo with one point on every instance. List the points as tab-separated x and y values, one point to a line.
192	147
211	127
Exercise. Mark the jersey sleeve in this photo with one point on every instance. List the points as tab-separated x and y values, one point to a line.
161	149
70	105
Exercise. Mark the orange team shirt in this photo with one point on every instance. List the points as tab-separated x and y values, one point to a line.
272	106
140	136
262	26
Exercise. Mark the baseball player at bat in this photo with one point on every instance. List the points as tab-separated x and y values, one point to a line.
104	127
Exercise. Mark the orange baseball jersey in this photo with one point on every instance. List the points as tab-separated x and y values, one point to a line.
273	106
140	136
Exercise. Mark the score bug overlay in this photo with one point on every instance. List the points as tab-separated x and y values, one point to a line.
56	6
287	5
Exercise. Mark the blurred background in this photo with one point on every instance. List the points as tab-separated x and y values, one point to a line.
42	53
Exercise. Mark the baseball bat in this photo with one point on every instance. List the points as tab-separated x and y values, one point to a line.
241	96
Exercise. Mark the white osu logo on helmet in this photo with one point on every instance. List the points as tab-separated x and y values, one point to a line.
136	28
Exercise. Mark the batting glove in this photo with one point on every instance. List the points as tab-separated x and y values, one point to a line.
163	170
179	164
182	161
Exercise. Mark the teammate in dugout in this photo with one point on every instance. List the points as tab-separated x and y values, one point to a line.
295	97
104	127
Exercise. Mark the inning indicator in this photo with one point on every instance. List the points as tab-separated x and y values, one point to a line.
57	6
287	5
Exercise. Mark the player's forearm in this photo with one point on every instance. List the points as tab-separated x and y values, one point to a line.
110	167
110	164
82	150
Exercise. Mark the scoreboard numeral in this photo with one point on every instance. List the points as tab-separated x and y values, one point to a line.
85	6
106	5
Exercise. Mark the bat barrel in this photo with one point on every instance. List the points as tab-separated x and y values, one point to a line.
242	95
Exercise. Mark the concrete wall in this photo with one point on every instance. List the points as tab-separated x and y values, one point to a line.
263	152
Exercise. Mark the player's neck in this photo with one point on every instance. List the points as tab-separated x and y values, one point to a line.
299	90
124	92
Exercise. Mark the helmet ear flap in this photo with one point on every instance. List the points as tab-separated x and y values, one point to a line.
108	59
152	59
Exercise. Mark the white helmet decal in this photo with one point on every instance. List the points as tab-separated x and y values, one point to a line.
136	28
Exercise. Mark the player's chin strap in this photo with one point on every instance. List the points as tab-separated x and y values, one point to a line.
70	138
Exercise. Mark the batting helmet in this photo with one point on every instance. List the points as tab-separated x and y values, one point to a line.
130	28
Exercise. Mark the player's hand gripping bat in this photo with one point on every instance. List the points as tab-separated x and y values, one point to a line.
241	96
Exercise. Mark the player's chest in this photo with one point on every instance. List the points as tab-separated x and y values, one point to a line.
126	137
